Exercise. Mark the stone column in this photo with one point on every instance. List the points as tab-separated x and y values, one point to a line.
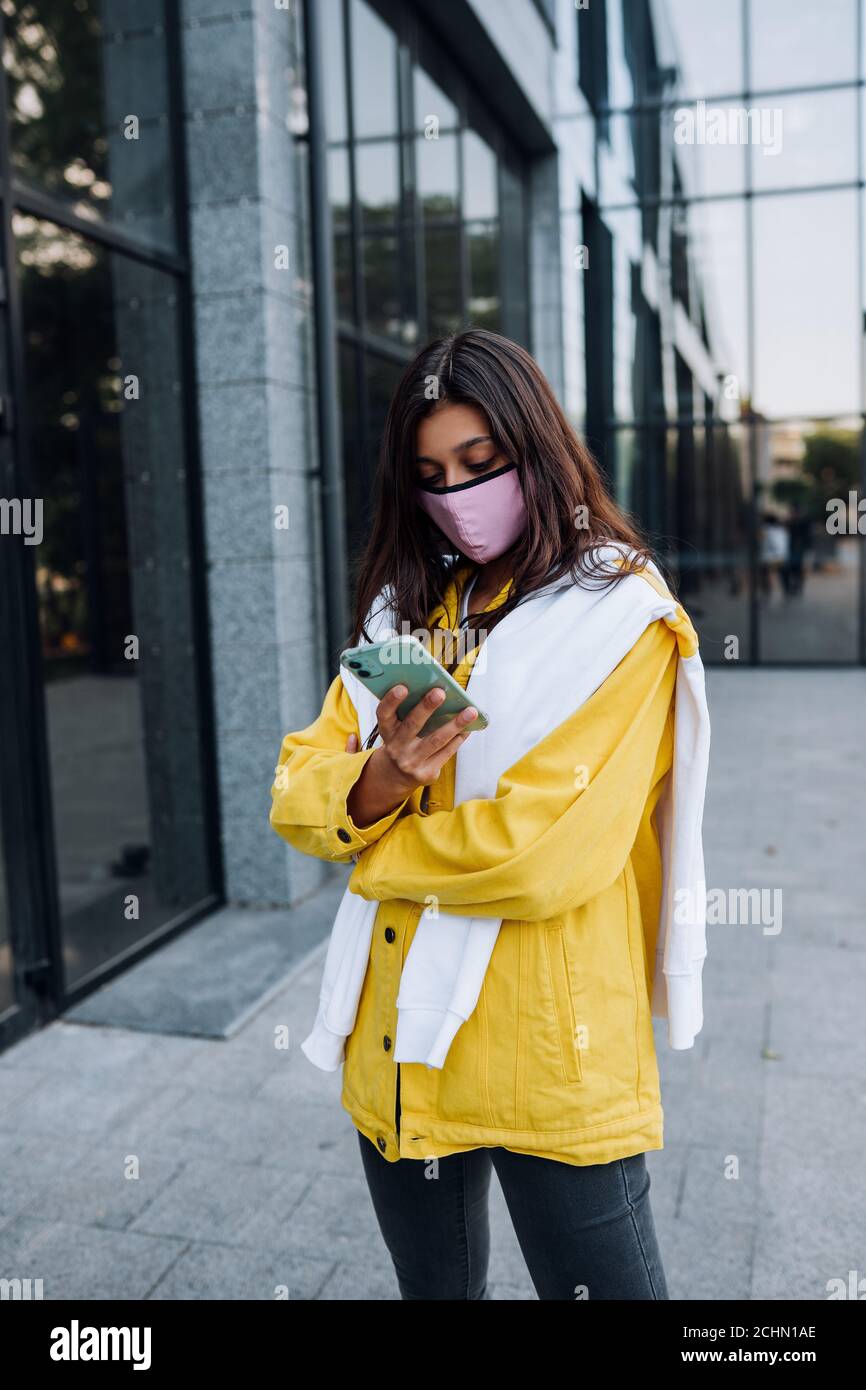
243	80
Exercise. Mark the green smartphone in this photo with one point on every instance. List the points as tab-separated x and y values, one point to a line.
406	661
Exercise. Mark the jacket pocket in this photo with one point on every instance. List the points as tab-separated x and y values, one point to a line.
557	963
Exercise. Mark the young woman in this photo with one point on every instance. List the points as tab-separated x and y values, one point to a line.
534	858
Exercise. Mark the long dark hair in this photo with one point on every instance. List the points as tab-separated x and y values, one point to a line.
407	554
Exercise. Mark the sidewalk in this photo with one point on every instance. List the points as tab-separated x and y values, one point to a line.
249	1177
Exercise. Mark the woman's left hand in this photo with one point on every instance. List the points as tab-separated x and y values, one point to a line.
352	743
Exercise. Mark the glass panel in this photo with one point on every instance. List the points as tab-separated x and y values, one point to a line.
806	319
339	188
515	274
430	100
374	73
7	966
627	254
708	43
343	275
796	43
377	175
808	569
484	302
442	275
382	378
805	139
480	197
88	109
713	525
355	473
716	246
104	404
437	176
381	261
336	122
670	153
707	146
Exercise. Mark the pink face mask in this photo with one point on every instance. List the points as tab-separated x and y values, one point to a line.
484	517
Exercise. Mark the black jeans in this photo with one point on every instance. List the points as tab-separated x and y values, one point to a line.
585	1232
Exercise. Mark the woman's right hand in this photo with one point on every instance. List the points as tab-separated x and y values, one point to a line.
417	762
405	761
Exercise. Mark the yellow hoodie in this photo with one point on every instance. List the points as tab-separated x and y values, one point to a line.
558	1058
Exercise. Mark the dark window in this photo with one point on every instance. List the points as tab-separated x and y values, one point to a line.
592	53
117	775
428	202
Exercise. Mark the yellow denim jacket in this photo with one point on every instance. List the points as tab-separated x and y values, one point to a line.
558	1058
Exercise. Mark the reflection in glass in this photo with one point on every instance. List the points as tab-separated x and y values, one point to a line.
796	43
480	198
336	121
707	146
442	270
689	488
514	270
430	100
816	140
382	378
88	109
7	969
377	179
484	301
381	266
716	246
808	572
339	190
104	403
374	73
806	317
437	176
339	195
356	476
436	250
708	46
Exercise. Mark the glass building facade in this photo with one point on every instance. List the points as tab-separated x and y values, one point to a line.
103	690
724	309
429	211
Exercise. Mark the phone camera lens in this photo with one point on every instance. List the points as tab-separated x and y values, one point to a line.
355	665
362	672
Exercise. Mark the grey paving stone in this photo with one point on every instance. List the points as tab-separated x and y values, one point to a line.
84	1262
799	1259
208	1271
108	1186
226	1203
707	1259
365	1280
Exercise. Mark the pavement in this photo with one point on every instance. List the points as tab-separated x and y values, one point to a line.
137	1164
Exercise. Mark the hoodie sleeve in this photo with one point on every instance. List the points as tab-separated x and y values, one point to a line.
564	819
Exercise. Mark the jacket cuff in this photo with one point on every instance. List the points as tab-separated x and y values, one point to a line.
345	836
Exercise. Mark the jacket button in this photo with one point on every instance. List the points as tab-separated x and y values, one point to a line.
390	934
381	1142
344	835
386	1043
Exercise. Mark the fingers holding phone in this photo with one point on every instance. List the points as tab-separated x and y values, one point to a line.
420	760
